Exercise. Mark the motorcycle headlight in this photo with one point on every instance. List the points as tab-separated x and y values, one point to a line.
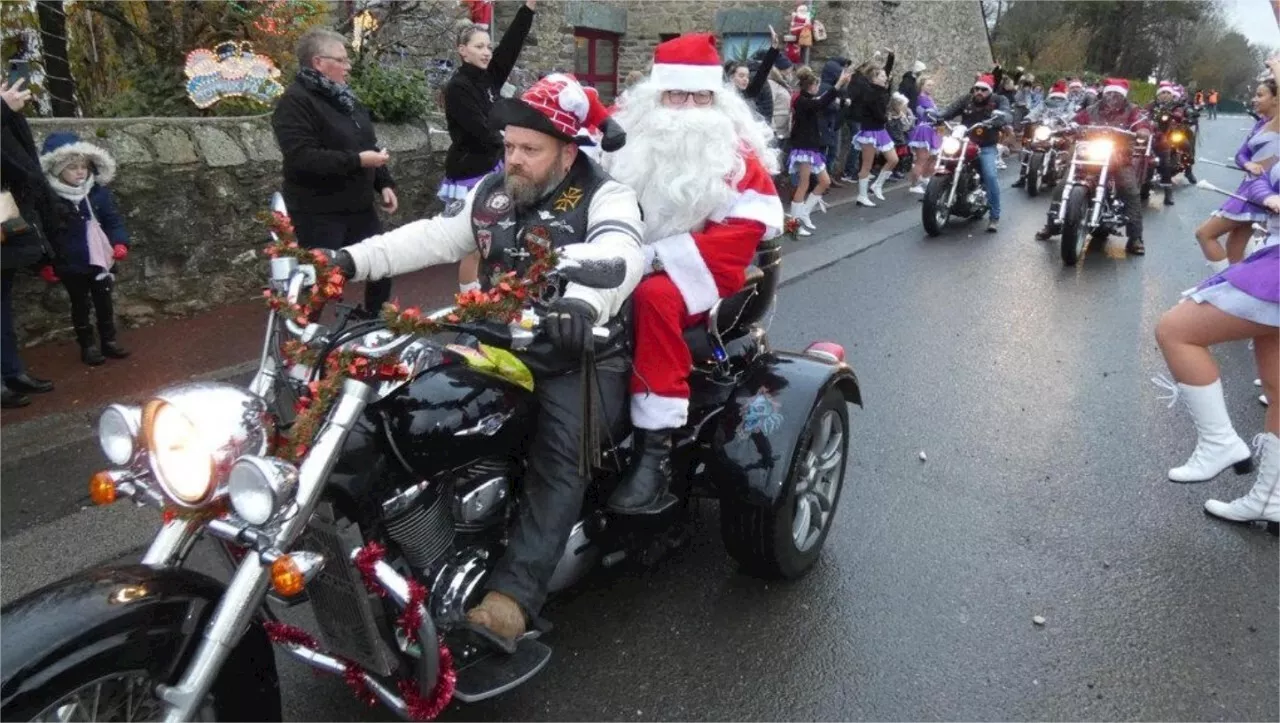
194	433
1100	150
1041	133
950	146
118	429
259	487
1177	136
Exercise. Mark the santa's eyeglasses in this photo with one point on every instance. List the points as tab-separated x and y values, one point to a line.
700	97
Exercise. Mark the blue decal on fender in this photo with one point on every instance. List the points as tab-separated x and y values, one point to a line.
761	413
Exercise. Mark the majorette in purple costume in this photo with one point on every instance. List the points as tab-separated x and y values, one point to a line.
1250	289
925	134
1260	145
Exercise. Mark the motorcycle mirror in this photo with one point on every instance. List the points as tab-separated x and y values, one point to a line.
594	273
277	204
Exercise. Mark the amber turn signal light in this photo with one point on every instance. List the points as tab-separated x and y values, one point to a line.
286	577
102	488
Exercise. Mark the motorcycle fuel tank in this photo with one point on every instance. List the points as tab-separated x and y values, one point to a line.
452	414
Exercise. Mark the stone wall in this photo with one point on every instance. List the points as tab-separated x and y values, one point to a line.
190	190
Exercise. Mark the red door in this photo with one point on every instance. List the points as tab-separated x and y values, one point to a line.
596	61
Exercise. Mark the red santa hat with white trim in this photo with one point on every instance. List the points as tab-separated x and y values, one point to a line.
985	80
1169	86
556	105
1075	84
689	62
1059	89
1116	85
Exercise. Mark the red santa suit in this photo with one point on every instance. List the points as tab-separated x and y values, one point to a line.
691	271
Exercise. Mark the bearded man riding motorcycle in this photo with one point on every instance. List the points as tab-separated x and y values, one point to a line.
1168	101
1113	109
1056	105
549	193
702	166
982	105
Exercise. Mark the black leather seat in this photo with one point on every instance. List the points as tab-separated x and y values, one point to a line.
737	314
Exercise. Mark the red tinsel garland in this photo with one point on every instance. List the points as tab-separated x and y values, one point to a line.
419	708
503	303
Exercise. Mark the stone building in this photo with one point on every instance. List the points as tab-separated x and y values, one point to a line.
603	40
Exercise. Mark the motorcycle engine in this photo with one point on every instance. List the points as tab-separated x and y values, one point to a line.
427	521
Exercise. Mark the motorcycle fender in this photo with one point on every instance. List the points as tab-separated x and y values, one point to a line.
753	441
68	631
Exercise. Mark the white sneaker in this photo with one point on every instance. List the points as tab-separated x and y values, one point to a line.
1217	444
917	189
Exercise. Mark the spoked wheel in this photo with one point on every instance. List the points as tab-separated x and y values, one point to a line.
1035	170
1075	229
784	540
935	212
121	696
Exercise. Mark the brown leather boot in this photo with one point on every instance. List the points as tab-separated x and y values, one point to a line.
500	615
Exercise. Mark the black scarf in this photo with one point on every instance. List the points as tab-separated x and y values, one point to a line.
340	96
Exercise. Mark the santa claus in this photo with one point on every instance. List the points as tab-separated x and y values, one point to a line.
701	164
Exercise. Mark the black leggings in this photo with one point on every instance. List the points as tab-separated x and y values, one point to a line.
335	230
90	294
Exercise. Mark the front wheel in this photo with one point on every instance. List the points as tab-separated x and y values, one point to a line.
935	214
1035	168
1075	227
784	541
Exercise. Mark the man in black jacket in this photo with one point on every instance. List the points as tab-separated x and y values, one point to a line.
20	175
984	105
910	85
333	168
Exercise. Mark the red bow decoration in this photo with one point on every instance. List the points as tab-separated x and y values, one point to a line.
119	251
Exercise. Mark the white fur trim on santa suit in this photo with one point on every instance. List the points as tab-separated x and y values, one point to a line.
1116	89
670	76
751	205
683	262
652	412
982	84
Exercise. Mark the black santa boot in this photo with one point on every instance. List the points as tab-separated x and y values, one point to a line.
643	489
1168	194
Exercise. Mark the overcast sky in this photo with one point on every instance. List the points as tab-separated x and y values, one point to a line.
1255	19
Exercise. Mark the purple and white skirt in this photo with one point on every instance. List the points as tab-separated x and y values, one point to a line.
926	136
456	189
817	161
879	139
1236	210
1237	303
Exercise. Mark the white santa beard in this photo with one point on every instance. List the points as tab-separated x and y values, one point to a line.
683	163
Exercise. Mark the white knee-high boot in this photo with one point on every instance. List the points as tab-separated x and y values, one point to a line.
1217	444
863	183
801	214
1263	501
878	187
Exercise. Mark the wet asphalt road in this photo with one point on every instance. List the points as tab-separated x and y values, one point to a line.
1027	385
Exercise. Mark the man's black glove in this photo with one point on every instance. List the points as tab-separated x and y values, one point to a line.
568	323
340	259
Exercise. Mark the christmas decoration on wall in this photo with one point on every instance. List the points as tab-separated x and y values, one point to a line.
481	12
803	31
277	17
230	70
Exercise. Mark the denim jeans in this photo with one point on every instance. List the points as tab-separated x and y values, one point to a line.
990	181
10	362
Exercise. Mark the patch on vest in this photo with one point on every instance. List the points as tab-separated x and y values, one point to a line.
499	202
568	200
454	208
484	242
539	236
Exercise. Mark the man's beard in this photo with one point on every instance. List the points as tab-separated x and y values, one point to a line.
526	192
683	164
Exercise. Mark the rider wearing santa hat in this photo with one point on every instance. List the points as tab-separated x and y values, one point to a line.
1114	109
550	194
701	164
1169	101
1056	106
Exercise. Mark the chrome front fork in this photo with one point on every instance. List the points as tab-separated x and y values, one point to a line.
244	595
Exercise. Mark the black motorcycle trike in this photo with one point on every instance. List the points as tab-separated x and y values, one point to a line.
389	523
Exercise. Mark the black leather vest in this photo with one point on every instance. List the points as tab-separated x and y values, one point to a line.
504	232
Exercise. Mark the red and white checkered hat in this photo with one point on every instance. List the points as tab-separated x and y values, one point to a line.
556	105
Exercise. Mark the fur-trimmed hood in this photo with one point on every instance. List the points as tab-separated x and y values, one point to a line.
58	147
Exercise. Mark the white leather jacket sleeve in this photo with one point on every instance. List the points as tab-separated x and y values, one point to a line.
614	230
440	240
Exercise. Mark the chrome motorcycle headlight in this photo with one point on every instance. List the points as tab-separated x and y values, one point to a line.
1177	136
950	146
118	429
194	433
1041	133
1100	150
259	487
